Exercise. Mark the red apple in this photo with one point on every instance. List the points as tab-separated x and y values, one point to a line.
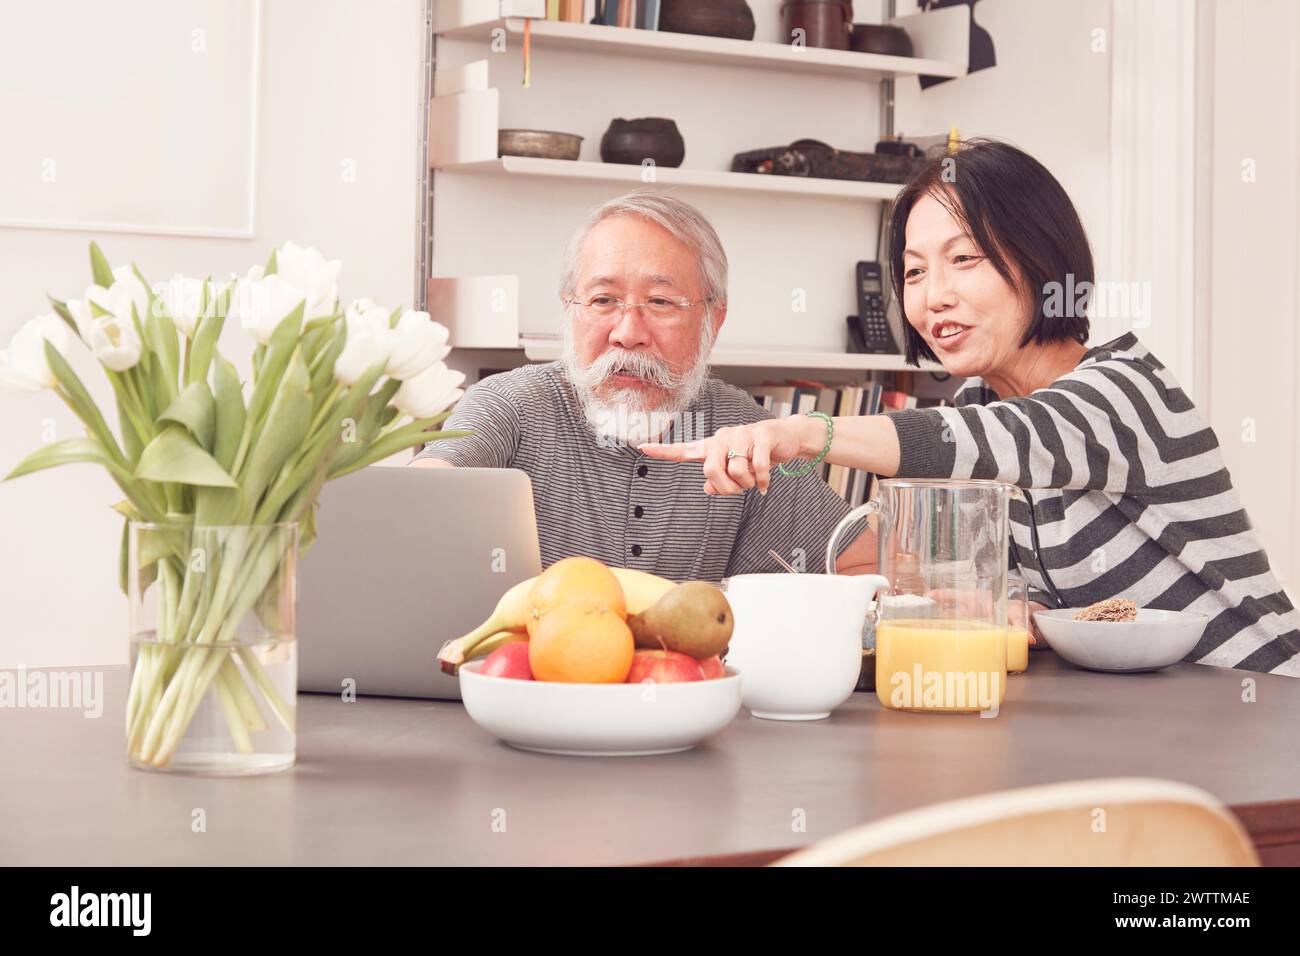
712	667
509	660
663	667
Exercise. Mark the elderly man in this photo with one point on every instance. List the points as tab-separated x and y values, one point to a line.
644	287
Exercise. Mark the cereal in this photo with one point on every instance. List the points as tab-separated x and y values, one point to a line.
1112	609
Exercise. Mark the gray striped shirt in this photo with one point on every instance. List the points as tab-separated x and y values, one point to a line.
1130	496
613	503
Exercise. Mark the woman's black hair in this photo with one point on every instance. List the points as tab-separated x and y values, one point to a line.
1020	218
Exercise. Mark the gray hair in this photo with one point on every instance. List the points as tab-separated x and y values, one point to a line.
682	220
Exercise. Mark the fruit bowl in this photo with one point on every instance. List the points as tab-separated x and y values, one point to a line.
1155	640
599	720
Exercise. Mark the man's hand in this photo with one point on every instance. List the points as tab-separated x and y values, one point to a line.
1036	639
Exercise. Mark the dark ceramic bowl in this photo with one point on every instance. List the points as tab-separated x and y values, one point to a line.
874	38
634	141
710	18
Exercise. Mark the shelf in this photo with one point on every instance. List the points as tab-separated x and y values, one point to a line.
664	45
546	350
706	178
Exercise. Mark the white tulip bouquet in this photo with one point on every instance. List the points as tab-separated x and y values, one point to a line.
332	391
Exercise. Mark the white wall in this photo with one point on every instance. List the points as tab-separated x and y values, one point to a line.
1253	348
336	168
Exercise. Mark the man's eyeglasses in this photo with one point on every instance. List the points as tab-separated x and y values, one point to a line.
656	307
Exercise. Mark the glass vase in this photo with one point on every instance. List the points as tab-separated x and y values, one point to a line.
214	669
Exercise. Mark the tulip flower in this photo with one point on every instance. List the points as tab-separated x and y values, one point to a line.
309	271
428	393
261	302
369	341
127	293
183	298
418	342
23	366
114	341
83	315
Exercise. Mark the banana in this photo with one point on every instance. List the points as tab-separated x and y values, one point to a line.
511	614
640	590
489	644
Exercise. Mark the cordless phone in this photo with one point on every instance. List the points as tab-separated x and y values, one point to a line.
873	334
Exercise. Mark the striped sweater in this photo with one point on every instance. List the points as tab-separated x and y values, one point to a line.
1130	496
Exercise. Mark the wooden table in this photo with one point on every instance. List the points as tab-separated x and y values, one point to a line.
385	781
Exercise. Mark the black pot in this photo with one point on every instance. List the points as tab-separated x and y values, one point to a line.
875	38
634	141
825	23
710	18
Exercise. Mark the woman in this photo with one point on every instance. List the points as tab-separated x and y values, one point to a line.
1127	494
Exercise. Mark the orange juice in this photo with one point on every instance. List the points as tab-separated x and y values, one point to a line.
940	665
1017	650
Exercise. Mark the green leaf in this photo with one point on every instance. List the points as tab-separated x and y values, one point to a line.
175	456
205	345
214	507
61	310
81	402
369	425
67	452
229	396
150	382
285	429
314	337
272	265
99	267
122	556
130	421
130	440
314	325
322	367
405	437
195	409
127	510
281	347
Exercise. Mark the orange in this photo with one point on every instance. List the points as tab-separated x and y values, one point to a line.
578	581
581	644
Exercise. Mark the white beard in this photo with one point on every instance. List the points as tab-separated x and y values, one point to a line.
620	416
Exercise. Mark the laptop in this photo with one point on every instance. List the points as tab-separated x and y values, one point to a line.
404	560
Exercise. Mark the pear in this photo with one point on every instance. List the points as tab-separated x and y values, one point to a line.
693	618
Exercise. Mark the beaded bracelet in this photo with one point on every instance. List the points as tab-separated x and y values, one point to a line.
809	466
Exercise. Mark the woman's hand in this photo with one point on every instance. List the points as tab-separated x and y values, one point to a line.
1036	638
979	605
756	448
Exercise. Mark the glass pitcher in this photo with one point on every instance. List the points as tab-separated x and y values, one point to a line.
941	624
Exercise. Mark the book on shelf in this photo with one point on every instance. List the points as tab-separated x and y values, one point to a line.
883	391
534	9
647	15
552	9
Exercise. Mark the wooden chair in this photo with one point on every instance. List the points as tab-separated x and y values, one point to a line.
1116	822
